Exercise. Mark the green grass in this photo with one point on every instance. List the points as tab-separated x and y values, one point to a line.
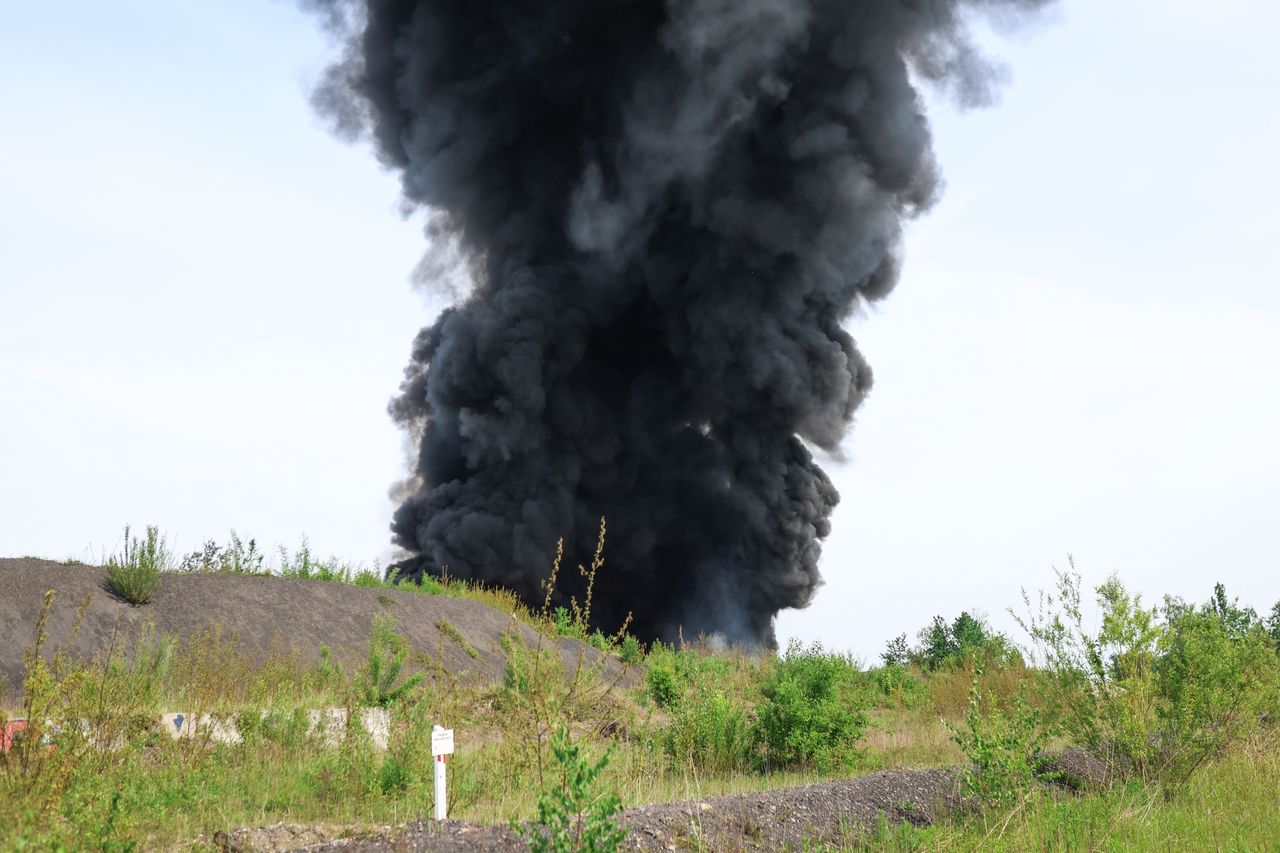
1228	805
136	573
690	728
172	792
444	626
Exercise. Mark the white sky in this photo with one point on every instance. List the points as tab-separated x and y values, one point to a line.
205	307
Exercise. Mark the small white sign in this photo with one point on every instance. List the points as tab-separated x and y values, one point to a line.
441	741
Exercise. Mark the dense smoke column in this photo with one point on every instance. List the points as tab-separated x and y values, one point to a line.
668	208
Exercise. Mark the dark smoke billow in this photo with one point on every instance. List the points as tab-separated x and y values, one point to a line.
667	210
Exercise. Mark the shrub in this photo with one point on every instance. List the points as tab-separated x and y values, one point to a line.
896	652
1003	748
565	625
1100	686
237	557
387	653
663	686
528	671
85	722
809	715
709	732
572	815
1216	678
393	775
630	651
368	579
1152	698
134	575
326	674
132	672
898	685
670	673
303	564
288	729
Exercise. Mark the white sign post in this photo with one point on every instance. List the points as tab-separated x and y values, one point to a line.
441	746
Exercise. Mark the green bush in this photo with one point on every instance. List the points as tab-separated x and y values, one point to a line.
1099	686
236	557
393	776
387	653
1003	748
663	686
134	575
306	565
287	729
1153	698
531	674
1216	679
897	684
565	625
572	815
810	713
142	671
368	579
631	651
709	732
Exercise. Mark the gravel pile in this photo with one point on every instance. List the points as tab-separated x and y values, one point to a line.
831	812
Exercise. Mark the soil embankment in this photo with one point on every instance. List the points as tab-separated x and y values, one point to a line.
264	614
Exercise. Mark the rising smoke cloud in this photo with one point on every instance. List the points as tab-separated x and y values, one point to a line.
667	210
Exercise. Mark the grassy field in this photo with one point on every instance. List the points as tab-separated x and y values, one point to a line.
1182	705
1231	804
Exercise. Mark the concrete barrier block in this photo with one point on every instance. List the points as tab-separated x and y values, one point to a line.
182	725
329	724
377	722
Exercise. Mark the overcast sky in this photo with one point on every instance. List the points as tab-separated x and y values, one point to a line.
205	307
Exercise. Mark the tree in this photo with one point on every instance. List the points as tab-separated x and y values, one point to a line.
967	633
1237	620
936	644
896	652
1273	625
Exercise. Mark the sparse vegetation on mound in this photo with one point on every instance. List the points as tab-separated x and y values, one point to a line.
134	574
1177	707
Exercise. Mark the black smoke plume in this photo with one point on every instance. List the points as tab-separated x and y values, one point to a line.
667	210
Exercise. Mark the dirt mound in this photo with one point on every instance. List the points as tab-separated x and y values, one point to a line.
832	813
1075	769
264	614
